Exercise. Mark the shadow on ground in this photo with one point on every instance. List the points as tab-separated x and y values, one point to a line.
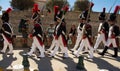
7	60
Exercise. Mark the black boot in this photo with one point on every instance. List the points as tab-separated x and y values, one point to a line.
115	52
104	51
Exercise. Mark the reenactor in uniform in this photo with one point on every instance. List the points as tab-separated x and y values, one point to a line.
37	40
79	33
56	9
113	34
54	41
86	36
37	35
60	33
102	31
7	32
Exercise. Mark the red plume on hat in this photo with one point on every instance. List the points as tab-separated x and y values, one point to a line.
56	9
35	8
91	4
66	8
117	8
8	10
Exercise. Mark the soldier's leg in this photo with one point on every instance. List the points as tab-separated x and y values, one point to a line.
52	45
55	49
90	48
115	48
76	53
41	49
64	46
11	48
5	44
77	43
33	48
98	40
106	47
104	40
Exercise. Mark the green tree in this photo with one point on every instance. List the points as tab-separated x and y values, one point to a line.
22	4
81	5
51	3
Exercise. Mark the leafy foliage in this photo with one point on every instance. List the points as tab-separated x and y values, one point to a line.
81	5
22	4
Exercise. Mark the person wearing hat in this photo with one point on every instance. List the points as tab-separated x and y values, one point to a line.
54	42
5	16
54	46
103	30
113	34
60	33
86	37
7	33
37	36
79	32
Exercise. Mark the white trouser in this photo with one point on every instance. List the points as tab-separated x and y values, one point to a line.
100	38
7	44
77	42
84	43
111	41
61	45
54	44
35	45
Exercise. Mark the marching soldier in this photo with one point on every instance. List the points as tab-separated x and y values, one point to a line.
79	33
56	23
37	40
113	34
54	41
37	34
102	30
60	33
7	32
86	36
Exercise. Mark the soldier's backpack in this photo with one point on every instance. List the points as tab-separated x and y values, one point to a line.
116	30
21	25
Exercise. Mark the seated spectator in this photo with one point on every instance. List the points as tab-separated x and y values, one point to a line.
72	34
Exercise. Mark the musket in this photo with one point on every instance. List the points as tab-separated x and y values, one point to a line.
63	15
89	10
87	19
112	6
111	9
